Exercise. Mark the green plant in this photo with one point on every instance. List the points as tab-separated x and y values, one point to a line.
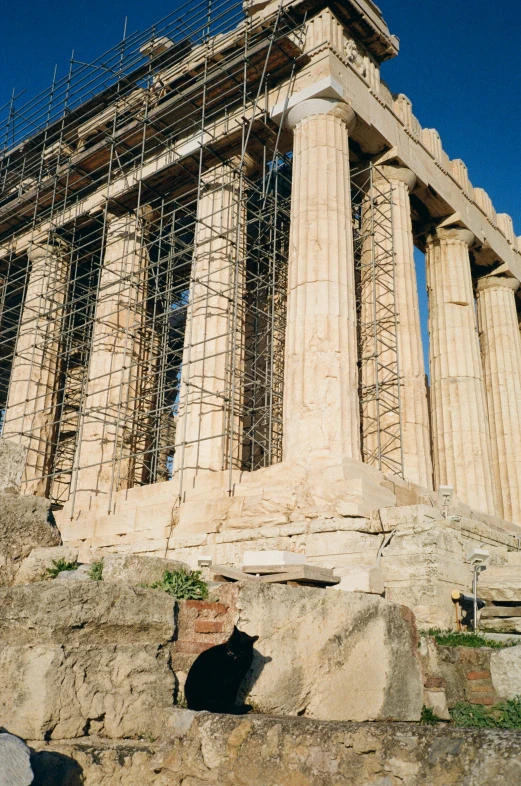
428	717
183	585
96	570
505	715
181	702
452	638
59	565
509	713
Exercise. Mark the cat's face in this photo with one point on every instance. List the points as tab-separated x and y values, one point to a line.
240	641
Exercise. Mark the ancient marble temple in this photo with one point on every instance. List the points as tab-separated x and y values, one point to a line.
210	321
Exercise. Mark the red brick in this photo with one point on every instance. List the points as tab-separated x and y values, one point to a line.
488	701
208	626
192	647
478	675
434	682
200	605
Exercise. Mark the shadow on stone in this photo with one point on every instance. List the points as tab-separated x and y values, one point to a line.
55	769
256	669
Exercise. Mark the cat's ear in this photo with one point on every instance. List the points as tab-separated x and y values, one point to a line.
254	639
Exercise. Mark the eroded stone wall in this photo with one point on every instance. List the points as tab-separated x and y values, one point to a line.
202	749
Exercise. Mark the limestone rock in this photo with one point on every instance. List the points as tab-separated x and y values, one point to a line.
12	463
331	655
15	765
80	574
67	613
25	524
436	700
362	578
260	751
501	624
137	569
501	583
52	691
505	670
34	567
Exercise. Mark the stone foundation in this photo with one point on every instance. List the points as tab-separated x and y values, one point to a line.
337	514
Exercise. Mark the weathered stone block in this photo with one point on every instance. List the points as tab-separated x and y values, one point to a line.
15	761
85	612
56	692
501	583
25	524
34	567
12	464
505	670
138	569
330	654
200	749
362	578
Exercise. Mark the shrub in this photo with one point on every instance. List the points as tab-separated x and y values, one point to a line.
428	717
96	570
59	565
183	585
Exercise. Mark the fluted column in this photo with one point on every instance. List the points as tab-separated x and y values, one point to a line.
501	352
321	414
30	417
109	435
416	442
208	433
461	437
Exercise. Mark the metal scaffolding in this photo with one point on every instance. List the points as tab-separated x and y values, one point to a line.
102	178
144	234
378	351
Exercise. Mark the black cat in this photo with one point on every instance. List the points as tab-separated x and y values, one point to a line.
216	674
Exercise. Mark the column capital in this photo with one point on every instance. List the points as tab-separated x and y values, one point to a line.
321	106
227	172
397	173
498	282
45	248
131	221
458	234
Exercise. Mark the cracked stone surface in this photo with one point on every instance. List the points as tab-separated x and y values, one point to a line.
199	749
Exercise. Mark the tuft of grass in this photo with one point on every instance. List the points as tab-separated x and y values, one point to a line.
428	717
96	570
452	638
183	585
181	702
59	565
505	715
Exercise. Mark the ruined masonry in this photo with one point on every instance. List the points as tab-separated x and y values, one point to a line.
210	329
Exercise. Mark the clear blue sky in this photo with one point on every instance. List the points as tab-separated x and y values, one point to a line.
459	64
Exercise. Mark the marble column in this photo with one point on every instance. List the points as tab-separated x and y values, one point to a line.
501	352
321	409
109	436
208	432
30	417
416	441
460	431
